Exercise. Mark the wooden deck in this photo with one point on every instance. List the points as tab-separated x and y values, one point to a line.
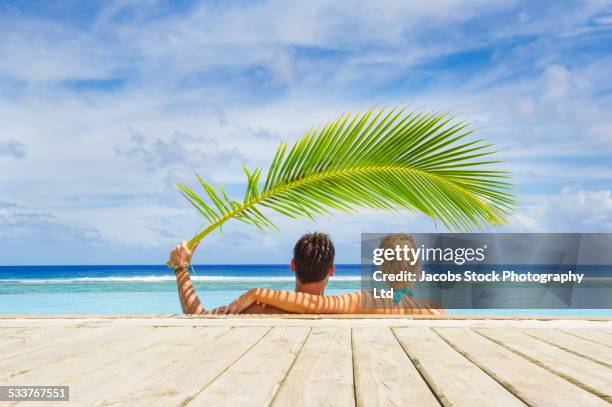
287	361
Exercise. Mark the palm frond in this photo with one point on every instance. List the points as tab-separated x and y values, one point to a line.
385	159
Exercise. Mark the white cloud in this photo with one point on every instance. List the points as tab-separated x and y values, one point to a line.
571	210
179	148
27	235
12	148
35	50
559	84
603	20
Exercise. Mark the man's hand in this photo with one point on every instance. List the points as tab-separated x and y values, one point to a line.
219	310
181	255
241	303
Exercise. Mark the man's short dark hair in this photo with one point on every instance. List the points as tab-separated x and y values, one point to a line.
313	256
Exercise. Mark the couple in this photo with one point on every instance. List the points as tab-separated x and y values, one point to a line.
313	265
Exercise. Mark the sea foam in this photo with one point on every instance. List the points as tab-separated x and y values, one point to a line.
159	279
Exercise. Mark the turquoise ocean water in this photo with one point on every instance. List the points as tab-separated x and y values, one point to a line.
152	289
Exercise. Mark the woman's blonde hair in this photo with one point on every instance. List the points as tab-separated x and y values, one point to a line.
398	266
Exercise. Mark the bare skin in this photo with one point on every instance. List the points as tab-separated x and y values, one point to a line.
181	256
350	303
307	298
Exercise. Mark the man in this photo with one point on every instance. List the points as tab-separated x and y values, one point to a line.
312	263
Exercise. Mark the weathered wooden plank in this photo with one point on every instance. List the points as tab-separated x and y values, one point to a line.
28	357
255	378
124	373
11	336
576	369
322	374
384	374
42	339
8	334
81	358
600	336
573	344
455	380
65	366
186	374
528	381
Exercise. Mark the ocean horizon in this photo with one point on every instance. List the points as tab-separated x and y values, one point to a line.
141	289
151	289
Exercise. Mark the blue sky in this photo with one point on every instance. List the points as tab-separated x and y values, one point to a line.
104	104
